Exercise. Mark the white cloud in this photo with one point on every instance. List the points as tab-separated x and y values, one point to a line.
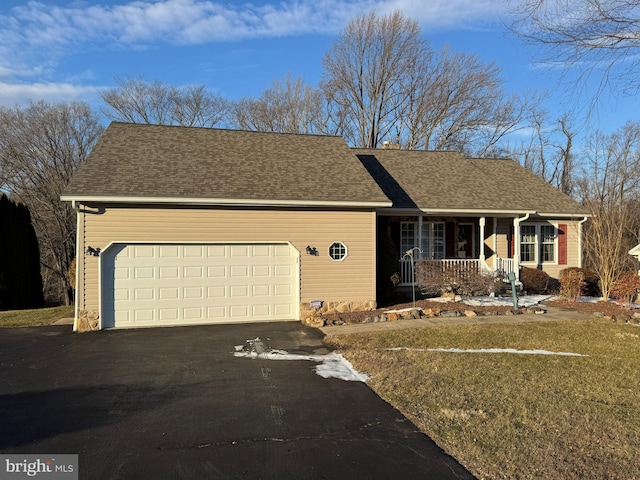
20	94
201	21
36	37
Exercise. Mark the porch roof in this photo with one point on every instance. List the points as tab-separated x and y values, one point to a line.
447	181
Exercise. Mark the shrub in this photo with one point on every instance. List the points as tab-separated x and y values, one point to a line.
436	278
626	288
572	283
590	278
534	280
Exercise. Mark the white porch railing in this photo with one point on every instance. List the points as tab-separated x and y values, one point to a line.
503	267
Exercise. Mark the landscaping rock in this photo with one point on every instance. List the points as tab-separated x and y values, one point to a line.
317	322
622	318
470	313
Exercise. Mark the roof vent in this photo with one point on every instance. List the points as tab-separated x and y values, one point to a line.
386	145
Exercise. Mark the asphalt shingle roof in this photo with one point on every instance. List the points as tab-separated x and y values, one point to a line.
153	161
449	181
147	162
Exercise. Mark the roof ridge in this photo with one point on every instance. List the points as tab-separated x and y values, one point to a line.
224	129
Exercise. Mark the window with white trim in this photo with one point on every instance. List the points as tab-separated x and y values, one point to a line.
538	243
431	240
527	243
548	243
407	236
338	251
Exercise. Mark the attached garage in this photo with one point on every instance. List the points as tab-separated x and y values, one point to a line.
186	226
186	284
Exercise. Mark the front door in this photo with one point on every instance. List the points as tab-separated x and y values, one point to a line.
465	241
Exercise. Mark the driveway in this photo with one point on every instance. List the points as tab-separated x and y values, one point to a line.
168	403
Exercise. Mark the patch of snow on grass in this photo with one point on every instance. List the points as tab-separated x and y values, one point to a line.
489	350
523	301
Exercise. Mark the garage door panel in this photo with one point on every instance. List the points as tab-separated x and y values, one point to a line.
141	294
168	314
183	284
283	310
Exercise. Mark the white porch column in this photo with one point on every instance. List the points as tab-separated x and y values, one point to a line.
481	255
516	244
516	247
495	242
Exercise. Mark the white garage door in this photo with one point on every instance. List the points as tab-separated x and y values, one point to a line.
149	285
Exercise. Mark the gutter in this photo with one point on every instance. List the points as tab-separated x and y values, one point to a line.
222	202
586	217
76	309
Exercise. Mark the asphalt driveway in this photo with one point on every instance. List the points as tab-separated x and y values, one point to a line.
168	403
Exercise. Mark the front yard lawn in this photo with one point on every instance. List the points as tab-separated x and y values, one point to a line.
510	415
34	318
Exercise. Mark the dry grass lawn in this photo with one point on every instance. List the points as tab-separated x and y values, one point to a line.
509	415
34	318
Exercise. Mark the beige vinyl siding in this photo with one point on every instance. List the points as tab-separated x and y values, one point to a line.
573	253
503	229
553	269
322	278
487	241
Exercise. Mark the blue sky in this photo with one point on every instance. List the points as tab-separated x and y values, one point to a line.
62	50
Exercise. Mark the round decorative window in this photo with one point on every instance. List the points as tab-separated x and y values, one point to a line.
338	251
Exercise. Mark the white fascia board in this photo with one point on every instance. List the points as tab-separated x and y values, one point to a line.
222	202
635	251
455	211
566	215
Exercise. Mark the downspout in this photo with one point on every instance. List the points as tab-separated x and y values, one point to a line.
76	207
580	240
516	244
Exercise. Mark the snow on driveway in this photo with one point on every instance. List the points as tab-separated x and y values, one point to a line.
331	365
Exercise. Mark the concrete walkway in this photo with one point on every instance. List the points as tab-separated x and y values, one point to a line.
552	314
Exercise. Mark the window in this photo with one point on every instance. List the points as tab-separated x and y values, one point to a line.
527	243
430	241
538	243
338	251
547	243
407	237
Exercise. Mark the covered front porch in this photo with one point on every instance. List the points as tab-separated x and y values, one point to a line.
466	243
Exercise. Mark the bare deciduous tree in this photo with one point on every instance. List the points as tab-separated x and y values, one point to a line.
460	105
383	82
40	148
549	151
366	73
289	106
138	101
589	34
610	188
